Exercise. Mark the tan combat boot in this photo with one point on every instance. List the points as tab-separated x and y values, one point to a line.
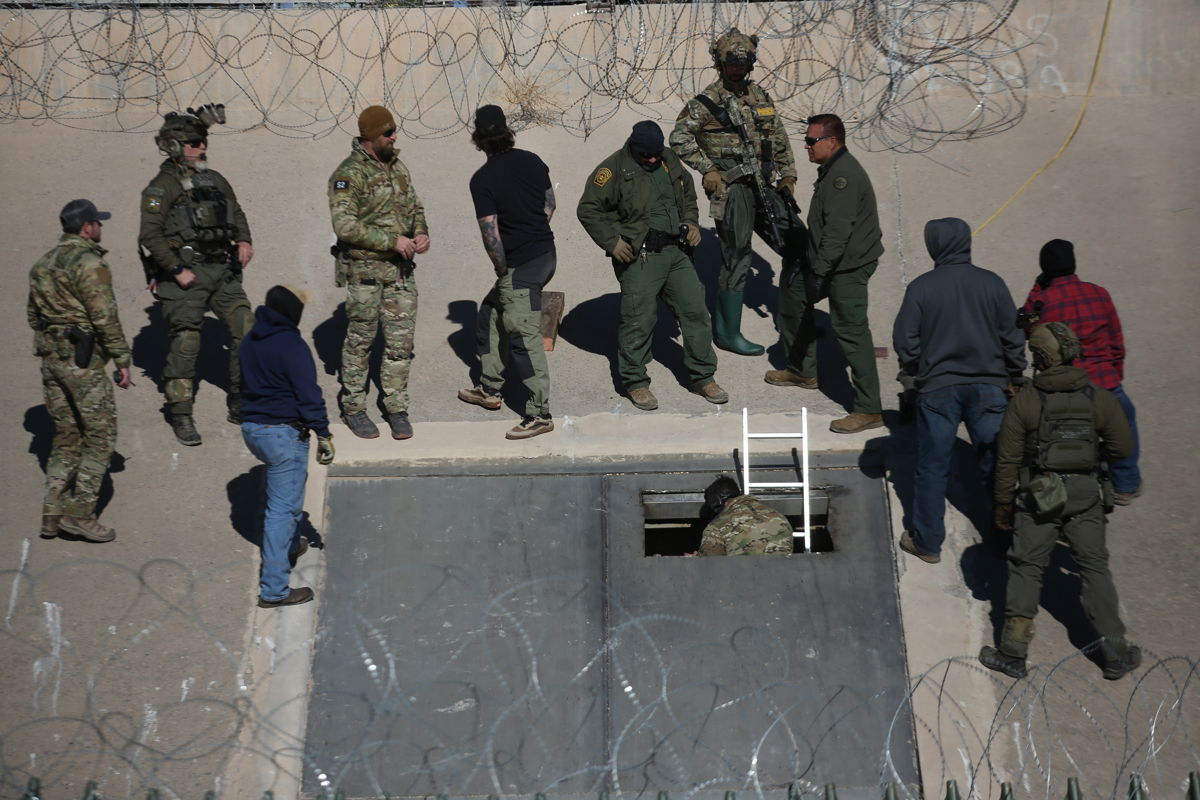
643	398
89	529
781	377
856	422
711	392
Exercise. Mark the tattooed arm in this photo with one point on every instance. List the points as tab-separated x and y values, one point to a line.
550	204
492	244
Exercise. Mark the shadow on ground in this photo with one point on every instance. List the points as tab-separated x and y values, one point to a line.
152	344
247	495
40	426
328	339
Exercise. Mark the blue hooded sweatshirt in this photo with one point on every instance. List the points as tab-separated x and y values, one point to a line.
279	377
958	323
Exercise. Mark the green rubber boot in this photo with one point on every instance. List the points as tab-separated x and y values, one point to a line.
729	326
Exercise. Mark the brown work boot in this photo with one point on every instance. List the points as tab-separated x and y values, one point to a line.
781	377
711	392
1125	498
643	398
856	422
50	525
482	395
89	529
300	550
909	546
295	597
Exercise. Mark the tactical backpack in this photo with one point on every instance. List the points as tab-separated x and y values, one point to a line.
1067	440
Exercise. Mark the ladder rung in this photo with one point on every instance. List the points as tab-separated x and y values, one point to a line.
775	485
797	534
775	435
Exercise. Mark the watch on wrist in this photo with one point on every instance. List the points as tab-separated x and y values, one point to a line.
179	268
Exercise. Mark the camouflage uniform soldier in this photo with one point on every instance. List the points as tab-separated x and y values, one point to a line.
742	525
380	225
707	140
73	311
190	222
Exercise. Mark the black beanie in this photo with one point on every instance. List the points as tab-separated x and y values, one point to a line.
281	299
1056	260
647	137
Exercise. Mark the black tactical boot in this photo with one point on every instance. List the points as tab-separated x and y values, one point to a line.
234	404
185	429
992	658
1117	669
401	427
361	425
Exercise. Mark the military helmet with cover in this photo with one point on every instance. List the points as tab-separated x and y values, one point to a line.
735	47
178	130
1053	343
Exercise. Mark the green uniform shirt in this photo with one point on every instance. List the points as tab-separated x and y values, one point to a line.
698	137
373	204
617	199
165	205
664	214
843	221
71	285
1018	436
747	527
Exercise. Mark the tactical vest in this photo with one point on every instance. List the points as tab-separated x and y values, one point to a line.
1067	440
204	220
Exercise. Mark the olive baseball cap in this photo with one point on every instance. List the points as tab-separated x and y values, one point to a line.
78	212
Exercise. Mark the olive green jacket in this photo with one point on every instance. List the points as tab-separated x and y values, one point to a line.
616	199
166	192
843	221
1017	442
71	285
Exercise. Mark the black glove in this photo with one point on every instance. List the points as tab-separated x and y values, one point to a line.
816	287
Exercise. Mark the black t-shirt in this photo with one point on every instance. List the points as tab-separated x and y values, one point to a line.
513	186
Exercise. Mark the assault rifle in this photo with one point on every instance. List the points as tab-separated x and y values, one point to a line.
750	166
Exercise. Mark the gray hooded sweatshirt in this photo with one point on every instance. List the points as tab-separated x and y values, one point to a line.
957	323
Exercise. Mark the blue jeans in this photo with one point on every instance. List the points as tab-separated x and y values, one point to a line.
1125	473
286	456
979	405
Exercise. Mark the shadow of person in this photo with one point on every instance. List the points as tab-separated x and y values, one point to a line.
40	425
247	494
833	379
593	324
329	337
761	294
152	344
464	341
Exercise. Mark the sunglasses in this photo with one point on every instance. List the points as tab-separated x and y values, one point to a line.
647	156
810	141
197	143
389	133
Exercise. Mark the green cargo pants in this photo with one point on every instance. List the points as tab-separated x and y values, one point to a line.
744	216
218	287
81	403
848	316
510	317
1033	543
671	276
380	296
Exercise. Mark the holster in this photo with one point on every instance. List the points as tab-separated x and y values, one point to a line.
657	241
85	343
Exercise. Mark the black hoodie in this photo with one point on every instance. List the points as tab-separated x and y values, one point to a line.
957	323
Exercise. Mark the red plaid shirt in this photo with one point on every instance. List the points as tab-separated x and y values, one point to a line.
1089	311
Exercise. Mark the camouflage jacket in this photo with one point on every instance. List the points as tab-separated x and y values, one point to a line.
699	137
170	218
746	527
71	285
372	204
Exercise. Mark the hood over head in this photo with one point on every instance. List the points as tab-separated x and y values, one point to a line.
948	241
288	301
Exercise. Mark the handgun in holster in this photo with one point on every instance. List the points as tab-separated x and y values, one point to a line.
85	343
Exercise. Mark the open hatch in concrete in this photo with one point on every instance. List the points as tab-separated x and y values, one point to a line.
505	629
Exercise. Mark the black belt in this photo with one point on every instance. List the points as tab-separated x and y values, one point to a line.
656	241
300	426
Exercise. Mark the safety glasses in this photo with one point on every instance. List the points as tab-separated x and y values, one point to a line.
811	141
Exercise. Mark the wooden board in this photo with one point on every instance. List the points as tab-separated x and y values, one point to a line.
552	311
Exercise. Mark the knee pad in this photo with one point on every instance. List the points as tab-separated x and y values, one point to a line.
178	390
241	320
186	343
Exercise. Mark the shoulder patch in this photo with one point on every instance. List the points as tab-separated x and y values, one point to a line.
402	181
103	275
341	185
602	176
154	190
152	204
839	182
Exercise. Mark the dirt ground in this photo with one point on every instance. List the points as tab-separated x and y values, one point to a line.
100	639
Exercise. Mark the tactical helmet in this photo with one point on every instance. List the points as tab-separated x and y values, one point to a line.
1053	343
735	47
177	130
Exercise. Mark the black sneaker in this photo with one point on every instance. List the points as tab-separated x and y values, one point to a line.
992	658
185	429
401	427
294	598
361	425
531	426
1115	670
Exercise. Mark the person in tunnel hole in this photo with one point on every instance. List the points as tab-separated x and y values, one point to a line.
741	524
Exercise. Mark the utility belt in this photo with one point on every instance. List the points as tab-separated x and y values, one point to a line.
82	339
657	241
1048	491
404	270
300	426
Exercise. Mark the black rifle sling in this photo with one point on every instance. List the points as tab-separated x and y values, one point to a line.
721	115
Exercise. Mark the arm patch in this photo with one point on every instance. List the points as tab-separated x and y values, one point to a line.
103	275
602	176
152	204
341	185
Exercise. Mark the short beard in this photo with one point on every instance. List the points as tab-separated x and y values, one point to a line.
200	164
